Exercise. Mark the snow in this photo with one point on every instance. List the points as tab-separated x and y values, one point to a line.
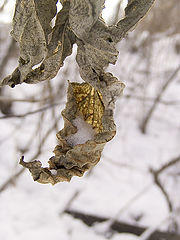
120	186
7	15
110	6
54	172
124	236
84	133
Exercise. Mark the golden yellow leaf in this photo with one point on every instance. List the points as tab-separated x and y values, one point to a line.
90	104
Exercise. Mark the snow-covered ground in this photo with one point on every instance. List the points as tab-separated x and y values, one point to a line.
121	185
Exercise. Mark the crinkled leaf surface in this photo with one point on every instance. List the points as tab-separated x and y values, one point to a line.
90	104
80	22
83	15
36	49
74	161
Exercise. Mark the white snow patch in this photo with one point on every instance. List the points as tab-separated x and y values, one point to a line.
37	65
125	236
54	172
84	133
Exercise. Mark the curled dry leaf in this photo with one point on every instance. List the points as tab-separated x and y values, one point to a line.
42	48
42	52
85	101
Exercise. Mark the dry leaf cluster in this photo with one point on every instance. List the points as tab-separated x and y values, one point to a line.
43	49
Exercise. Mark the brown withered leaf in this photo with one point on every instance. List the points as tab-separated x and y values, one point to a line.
46	11
83	15
40	44
134	12
80	22
28	32
74	160
59	48
97	48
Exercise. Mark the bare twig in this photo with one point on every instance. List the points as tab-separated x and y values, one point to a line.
11	180
149	232
30	100
122	227
168	164
107	231
31	112
149	99
14	177
51	96
6	107
125	165
156	175
161	187
146	120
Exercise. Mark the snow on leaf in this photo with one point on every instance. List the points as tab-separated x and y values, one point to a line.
74	158
79	21
84	132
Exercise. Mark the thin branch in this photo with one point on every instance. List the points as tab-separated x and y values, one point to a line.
30	100
150	99
121	227
125	165
14	177
51	97
11	180
107	231
30	113
146	120
168	164
149	232
156	175
69	203
164	192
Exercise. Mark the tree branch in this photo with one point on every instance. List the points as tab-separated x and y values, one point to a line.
156	175
14	177
146	120
29	113
121	227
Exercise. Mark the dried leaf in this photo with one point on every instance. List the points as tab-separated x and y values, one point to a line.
59	48
28	31
78	20
93	102
74	161
46	11
52	56
96	48
134	12
83	15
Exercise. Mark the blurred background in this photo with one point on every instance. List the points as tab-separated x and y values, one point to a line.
134	191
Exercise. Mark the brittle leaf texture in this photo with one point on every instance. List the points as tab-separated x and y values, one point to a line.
88	115
73	160
79	20
42	49
134	12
